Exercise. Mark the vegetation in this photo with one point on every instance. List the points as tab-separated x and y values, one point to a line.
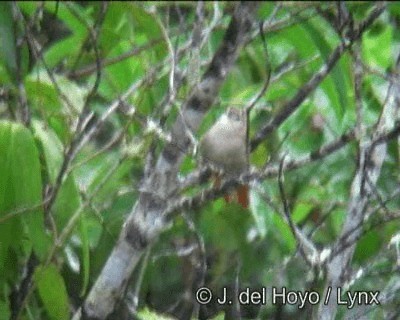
106	210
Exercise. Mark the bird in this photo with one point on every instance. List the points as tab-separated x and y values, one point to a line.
225	147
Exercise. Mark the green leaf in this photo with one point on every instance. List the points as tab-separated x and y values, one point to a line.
92	173
335	84
21	188
10	230
283	233
368	246
74	16
148	25
5	313
336	220
377	46
7	39
67	50
41	93
52	148
120	75
265	10
227	227
67	202
52	291
301	211
63	50
116	27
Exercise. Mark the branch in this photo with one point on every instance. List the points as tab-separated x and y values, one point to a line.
307	249
371	157
271	171
146	221
88	70
315	80
84	117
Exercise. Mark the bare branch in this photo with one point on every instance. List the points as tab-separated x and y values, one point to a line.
315	80
146	221
270	171
371	158
307	249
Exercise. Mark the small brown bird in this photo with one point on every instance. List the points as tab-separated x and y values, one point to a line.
225	146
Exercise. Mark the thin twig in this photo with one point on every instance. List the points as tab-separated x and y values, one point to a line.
315	80
287	214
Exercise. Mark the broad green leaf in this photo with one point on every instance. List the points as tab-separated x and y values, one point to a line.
148	25
116	27
21	188
121	75
41	93
59	124
10	230
52	149
68	199
335	83
303	45
69	49
26	178
64	50
150	97
377	46
75	94
283	233
312	191
52	291
67	202
368	246
77	19
53	152
301	211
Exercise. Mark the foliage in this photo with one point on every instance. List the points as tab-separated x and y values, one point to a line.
87	96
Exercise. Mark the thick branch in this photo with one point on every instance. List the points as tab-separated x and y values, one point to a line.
372	153
146	220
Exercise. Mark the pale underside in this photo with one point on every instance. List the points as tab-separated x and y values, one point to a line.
224	146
